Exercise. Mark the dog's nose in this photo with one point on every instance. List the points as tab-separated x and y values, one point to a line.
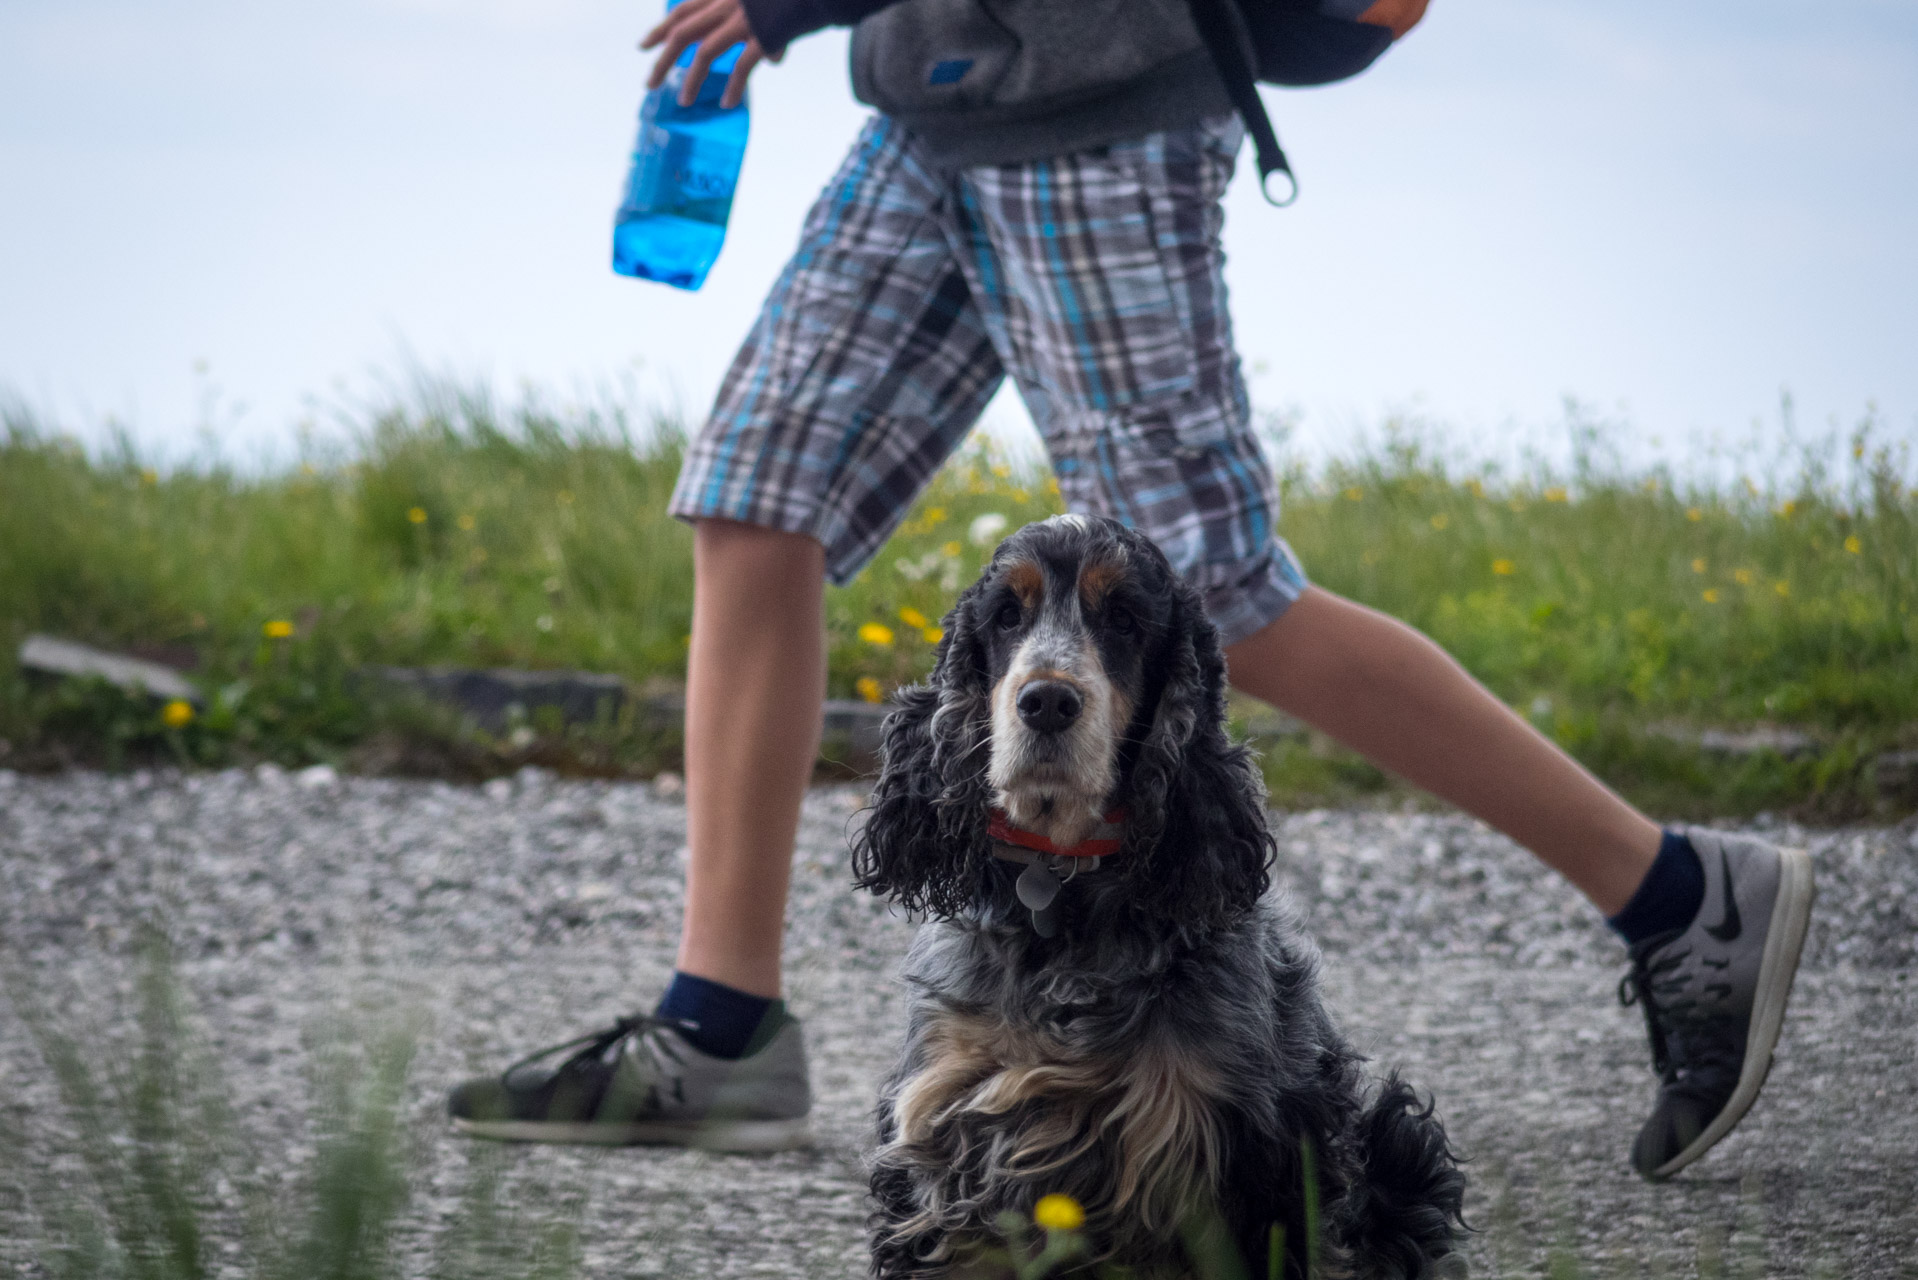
1049	706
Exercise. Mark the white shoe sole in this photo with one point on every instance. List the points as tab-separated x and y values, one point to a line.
1790	918
718	1135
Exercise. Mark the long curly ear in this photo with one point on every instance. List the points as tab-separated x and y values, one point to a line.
924	841
1197	844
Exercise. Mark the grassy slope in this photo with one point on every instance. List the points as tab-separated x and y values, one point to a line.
1600	605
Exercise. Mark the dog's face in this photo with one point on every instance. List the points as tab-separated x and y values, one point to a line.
1077	676
1069	617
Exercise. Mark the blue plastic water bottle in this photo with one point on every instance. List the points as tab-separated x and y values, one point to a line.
680	189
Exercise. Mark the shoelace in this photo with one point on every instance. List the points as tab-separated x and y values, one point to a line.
1670	1013
598	1042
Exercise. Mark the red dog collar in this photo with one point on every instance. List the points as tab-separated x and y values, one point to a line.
1102	843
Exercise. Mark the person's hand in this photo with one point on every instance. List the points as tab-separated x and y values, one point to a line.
715	26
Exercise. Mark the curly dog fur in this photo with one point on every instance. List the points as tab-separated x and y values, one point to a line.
1163	1057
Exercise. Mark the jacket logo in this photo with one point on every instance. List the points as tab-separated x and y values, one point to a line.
1730	927
951	71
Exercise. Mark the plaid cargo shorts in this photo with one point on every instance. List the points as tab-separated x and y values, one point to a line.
1094	279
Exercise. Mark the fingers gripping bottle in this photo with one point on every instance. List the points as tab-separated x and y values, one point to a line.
680	188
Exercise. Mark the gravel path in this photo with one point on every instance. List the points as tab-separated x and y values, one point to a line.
519	913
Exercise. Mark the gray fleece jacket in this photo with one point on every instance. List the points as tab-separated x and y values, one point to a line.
998	81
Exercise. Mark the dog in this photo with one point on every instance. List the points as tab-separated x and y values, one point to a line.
1104	1001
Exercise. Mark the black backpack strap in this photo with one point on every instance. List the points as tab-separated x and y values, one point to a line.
1222	26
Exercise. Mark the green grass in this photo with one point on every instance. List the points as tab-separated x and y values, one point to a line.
1600	603
143	1172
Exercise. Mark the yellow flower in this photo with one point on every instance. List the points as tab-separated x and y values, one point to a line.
1504	568
1020	495
950	551
934	635
869	689
1651	484
416	514
1052	485
177	714
149	476
913	618
467	522
1853	545
1710	595
277	629
1699	565
1355	494
1787	511
1440	520
1743	577
935	515
1694	515
1782	587
1557	494
876	633
1059	1212
1476	489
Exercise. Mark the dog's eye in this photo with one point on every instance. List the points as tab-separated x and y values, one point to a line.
1121	622
1009	616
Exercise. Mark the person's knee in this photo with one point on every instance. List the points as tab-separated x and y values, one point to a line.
732	547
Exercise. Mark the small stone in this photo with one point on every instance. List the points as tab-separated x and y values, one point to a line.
317	777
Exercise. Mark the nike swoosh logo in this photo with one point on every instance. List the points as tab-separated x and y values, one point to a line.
1727	929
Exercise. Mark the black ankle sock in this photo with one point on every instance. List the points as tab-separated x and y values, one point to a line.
1669	895
727	1017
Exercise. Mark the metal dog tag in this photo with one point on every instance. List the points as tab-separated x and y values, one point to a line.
1037	887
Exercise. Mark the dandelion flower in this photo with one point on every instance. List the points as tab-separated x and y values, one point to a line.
416	515
913	618
985	529
1787	511
177	714
1504	568
935	516
1052	485
1853	545
467	522
1710	595
876	633
1744	577
1699	565
1476	489
277	629
1694	515
1557	494
1782	587
149	476
1440	520
934	635
1355	494
1059	1212
868	688
951	550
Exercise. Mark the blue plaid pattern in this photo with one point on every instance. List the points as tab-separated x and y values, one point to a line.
1092	279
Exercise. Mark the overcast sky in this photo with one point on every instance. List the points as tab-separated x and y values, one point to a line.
1671	212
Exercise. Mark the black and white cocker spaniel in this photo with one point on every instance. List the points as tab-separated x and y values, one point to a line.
1106	1003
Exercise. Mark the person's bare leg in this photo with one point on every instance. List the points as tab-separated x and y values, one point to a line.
1396	698
755	683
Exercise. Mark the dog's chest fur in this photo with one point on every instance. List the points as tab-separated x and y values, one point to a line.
1107	1105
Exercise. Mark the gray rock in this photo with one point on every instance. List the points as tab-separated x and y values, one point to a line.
47	655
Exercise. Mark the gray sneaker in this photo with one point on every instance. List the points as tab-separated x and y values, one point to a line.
1714	995
641	1081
